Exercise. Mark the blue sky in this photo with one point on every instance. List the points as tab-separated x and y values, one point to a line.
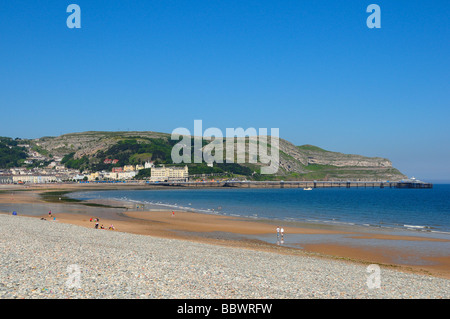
313	69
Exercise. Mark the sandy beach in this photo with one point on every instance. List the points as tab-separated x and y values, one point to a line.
228	231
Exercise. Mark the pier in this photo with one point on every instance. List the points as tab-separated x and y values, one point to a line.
298	184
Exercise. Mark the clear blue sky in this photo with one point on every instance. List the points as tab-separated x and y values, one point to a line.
313	69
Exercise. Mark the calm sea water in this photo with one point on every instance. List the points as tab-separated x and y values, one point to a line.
419	209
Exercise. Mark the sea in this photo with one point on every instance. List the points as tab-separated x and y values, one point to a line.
421	210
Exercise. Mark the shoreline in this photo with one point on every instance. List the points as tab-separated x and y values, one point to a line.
234	231
416	228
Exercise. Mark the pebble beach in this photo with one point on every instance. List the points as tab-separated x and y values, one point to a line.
42	259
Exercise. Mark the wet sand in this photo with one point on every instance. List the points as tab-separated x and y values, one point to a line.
232	231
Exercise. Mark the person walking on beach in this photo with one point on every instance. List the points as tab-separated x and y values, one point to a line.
282	233
278	232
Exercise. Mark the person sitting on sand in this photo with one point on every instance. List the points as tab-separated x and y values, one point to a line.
111	227
96	225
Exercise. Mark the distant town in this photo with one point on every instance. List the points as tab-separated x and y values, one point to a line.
55	171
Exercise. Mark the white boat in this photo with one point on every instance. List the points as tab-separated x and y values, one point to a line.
307	189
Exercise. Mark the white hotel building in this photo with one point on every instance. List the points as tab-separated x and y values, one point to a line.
163	173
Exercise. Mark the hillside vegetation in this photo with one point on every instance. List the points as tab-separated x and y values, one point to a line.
11	155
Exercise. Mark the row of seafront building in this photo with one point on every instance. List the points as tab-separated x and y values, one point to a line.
158	174
55	171
19	175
